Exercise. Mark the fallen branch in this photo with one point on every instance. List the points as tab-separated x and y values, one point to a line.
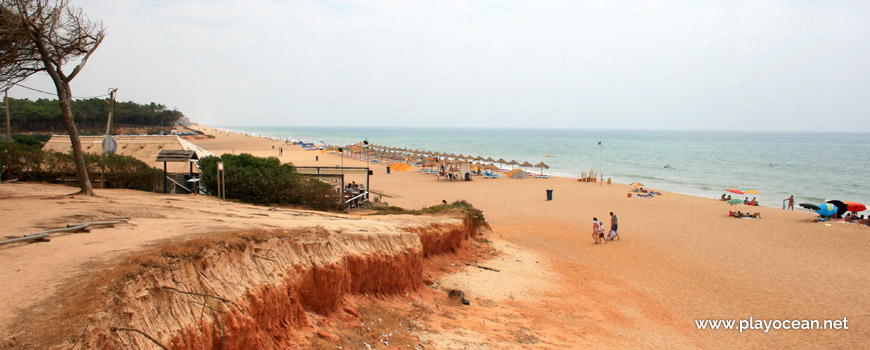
71	228
482	267
96	223
42	236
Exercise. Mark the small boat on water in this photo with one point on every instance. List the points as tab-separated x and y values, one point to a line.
549	155
667	166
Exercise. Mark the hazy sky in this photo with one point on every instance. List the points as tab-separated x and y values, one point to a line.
735	65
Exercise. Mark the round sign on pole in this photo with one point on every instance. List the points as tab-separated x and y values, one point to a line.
110	145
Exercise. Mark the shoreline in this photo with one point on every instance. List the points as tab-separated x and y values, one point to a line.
682	190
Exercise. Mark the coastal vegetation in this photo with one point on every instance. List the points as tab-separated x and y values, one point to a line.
26	161
259	180
44	115
461	206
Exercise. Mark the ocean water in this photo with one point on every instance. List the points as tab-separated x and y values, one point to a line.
814	167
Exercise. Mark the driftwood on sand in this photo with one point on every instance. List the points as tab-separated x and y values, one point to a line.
482	267
71	228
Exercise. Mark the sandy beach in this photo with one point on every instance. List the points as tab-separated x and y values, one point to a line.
680	259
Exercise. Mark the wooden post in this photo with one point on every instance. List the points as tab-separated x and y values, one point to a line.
165	185
220	168
218	175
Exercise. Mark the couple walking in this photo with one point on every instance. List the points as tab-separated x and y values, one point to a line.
598	229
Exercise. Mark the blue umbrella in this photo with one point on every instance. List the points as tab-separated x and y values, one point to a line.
827	209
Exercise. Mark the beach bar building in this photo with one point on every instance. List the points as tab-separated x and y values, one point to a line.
335	176
144	148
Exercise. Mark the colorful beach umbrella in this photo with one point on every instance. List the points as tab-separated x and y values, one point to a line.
636	184
735	201
827	209
752	191
855	207
841	207
401	167
734	190
810	206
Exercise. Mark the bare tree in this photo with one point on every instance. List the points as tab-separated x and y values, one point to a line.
45	35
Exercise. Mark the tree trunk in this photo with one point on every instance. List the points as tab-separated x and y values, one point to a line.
78	154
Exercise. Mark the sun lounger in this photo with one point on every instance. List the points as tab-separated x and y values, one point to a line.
491	176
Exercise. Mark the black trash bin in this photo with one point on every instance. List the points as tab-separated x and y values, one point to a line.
467	176
388	169
549	195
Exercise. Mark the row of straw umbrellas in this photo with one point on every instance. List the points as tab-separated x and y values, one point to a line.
429	157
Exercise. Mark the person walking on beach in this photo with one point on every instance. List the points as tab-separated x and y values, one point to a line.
597	231
790	202
614	224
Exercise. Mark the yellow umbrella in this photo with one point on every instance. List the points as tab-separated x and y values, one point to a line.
752	191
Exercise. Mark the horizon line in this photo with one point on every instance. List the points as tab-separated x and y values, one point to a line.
543	128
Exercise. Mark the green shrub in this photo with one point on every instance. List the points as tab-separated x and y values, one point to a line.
461	207
34	141
259	180
457	206
123	172
23	162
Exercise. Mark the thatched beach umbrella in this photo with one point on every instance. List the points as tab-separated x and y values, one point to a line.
542	165
513	162
478	159
501	161
489	160
526	164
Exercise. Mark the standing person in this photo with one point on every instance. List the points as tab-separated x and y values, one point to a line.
790	202
597	231
614	224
